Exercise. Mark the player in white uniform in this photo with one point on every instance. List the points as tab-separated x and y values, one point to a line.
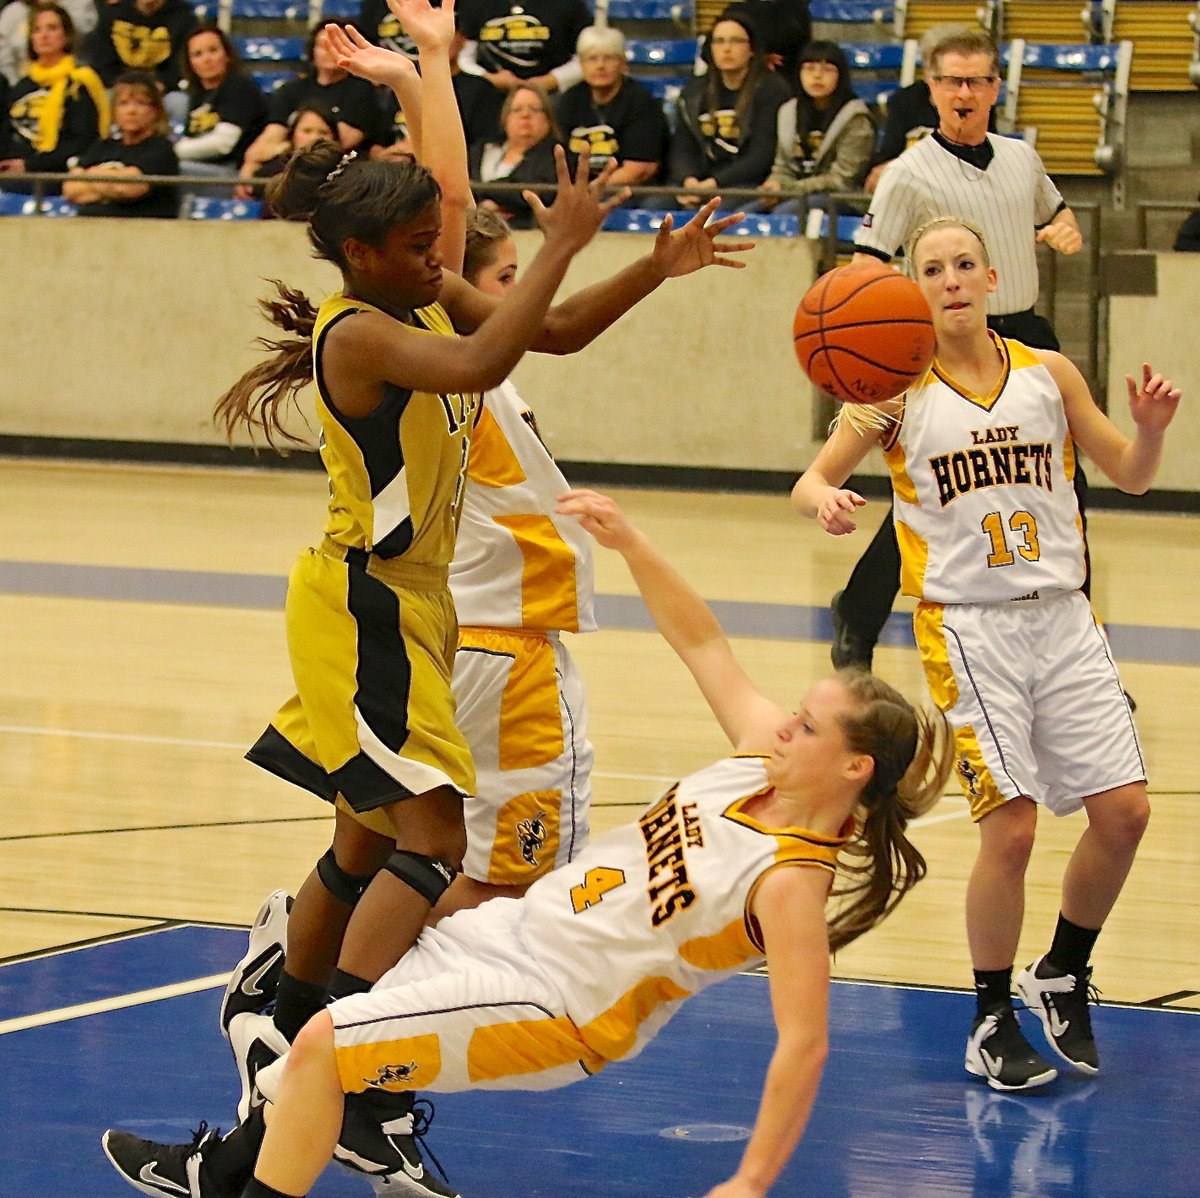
982	452
734	864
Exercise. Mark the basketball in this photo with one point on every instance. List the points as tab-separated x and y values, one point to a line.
863	333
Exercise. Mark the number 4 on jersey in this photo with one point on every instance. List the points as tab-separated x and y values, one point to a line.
595	885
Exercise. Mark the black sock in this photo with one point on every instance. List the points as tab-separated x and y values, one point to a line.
258	1189
296	1002
993	990
229	1162
343	984
1071	948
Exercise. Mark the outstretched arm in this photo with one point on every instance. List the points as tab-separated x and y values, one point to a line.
818	491
790	908
1130	464
685	621
579	320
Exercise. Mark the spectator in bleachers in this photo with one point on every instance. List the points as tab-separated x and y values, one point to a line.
532	42
612	115
143	35
380	25
1187	240
526	155
14	32
725	120
226	109
911	114
825	135
309	123
352	102
57	108
141	147
785	27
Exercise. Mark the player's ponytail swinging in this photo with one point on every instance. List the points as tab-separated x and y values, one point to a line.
912	751
341	196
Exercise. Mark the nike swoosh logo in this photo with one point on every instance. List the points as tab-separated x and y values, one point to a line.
250	983
994	1064
147	1174
416	1172
1057	1026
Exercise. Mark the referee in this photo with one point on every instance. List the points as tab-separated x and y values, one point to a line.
998	183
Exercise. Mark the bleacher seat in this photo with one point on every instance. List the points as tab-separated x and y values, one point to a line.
816	226
269	49
852	12
649	220
913	17
876	92
660	52
344	10
222	208
679	11
874	56
268	81
663	87
270	10
1062	21
1069	100
1163	41
15	204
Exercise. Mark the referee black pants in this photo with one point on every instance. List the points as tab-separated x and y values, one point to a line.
866	601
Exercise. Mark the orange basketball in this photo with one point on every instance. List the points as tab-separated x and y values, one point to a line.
863	333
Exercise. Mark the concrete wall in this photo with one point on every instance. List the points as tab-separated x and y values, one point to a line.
130	330
1163	330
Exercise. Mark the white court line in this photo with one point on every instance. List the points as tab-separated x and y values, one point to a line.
181	742
117	1003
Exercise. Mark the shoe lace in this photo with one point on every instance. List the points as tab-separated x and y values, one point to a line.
200	1135
422	1117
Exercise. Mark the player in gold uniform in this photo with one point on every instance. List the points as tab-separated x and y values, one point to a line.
732	866
982	452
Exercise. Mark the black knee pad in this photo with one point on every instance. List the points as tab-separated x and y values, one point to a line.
346	888
430	877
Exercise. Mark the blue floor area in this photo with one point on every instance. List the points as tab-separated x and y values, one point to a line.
896	1114
786	621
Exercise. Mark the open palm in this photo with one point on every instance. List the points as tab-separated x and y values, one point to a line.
679	252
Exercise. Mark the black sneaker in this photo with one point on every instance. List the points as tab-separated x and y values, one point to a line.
389	1150
997	1050
849	650
164	1169
1060	1001
255	978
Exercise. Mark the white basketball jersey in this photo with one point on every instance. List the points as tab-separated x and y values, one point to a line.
983	498
517	564
660	909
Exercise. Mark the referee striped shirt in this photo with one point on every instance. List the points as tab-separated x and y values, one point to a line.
1008	200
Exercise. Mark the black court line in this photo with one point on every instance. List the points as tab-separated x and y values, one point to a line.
232	823
1165	1000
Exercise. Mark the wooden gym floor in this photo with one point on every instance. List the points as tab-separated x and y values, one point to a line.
143	650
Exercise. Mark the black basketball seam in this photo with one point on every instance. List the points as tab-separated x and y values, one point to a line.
849	296
862	324
861	358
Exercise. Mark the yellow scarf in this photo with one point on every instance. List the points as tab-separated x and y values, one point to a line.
65	76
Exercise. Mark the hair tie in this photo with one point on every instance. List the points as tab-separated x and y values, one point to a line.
341	166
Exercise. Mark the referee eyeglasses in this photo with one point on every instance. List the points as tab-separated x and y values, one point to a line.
975	83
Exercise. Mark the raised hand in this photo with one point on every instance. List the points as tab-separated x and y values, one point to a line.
1153	404
373	63
679	252
579	208
431	28
834	512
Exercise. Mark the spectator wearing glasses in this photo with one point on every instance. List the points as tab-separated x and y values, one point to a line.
612	115
526	155
725	131
1000	185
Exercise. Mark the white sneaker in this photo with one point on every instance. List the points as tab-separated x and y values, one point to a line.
255	978
256	1043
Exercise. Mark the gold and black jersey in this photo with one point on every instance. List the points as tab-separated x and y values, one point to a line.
396	475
